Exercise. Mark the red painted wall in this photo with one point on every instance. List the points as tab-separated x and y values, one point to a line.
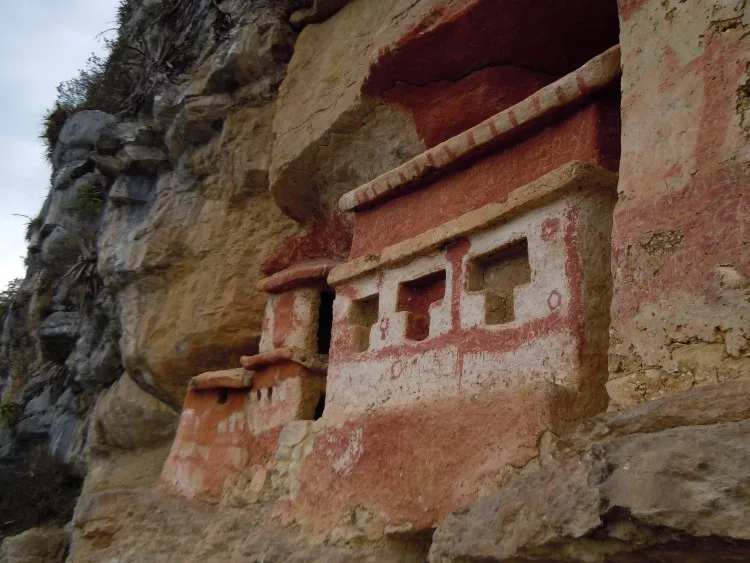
590	134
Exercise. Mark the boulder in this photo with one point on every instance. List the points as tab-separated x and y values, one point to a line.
198	121
131	189
38	404
36	383
95	362
623	486
82	129
37	545
186	264
59	250
62	426
69	155
63	177
108	165
143	159
115	135
324	125
252	51
33	426
126	417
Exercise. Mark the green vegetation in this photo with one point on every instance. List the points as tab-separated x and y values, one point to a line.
84	279
9	415
103	83
88	202
124	11
6	298
124	81
52	124
43	309
32	226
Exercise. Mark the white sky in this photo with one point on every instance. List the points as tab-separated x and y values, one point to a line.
43	42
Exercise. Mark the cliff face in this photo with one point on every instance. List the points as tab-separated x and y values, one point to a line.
143	261
238	127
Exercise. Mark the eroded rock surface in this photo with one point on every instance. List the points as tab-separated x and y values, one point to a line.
37	545
665	476
228	165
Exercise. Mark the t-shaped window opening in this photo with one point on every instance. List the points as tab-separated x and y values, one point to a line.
497	274
363	314
415	297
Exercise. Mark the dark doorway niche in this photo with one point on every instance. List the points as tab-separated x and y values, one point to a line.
415	297
222	396
320	406
325	321
497	274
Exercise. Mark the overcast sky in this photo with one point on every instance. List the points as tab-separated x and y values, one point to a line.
43	42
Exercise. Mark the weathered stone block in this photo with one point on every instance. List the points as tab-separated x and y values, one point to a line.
126	417
131	189
82	129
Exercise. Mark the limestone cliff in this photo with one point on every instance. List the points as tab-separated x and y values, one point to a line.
218	159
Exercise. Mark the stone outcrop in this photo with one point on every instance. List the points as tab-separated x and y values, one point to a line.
447	170
128	418
37	545
664	477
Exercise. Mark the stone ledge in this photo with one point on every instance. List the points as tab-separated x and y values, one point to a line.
566	179
307	274
237	378
667	471
314	362
596	74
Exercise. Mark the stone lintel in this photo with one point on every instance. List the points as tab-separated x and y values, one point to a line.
571	89
237	378
306	274
314	362
569	178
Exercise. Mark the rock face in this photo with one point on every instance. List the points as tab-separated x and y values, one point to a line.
38	545
188	300
664	476
223	172
393	52
83	129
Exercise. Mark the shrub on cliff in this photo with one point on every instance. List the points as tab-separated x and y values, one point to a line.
6	298
52	124
9	415
136	66
36	490
88	202
83	275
